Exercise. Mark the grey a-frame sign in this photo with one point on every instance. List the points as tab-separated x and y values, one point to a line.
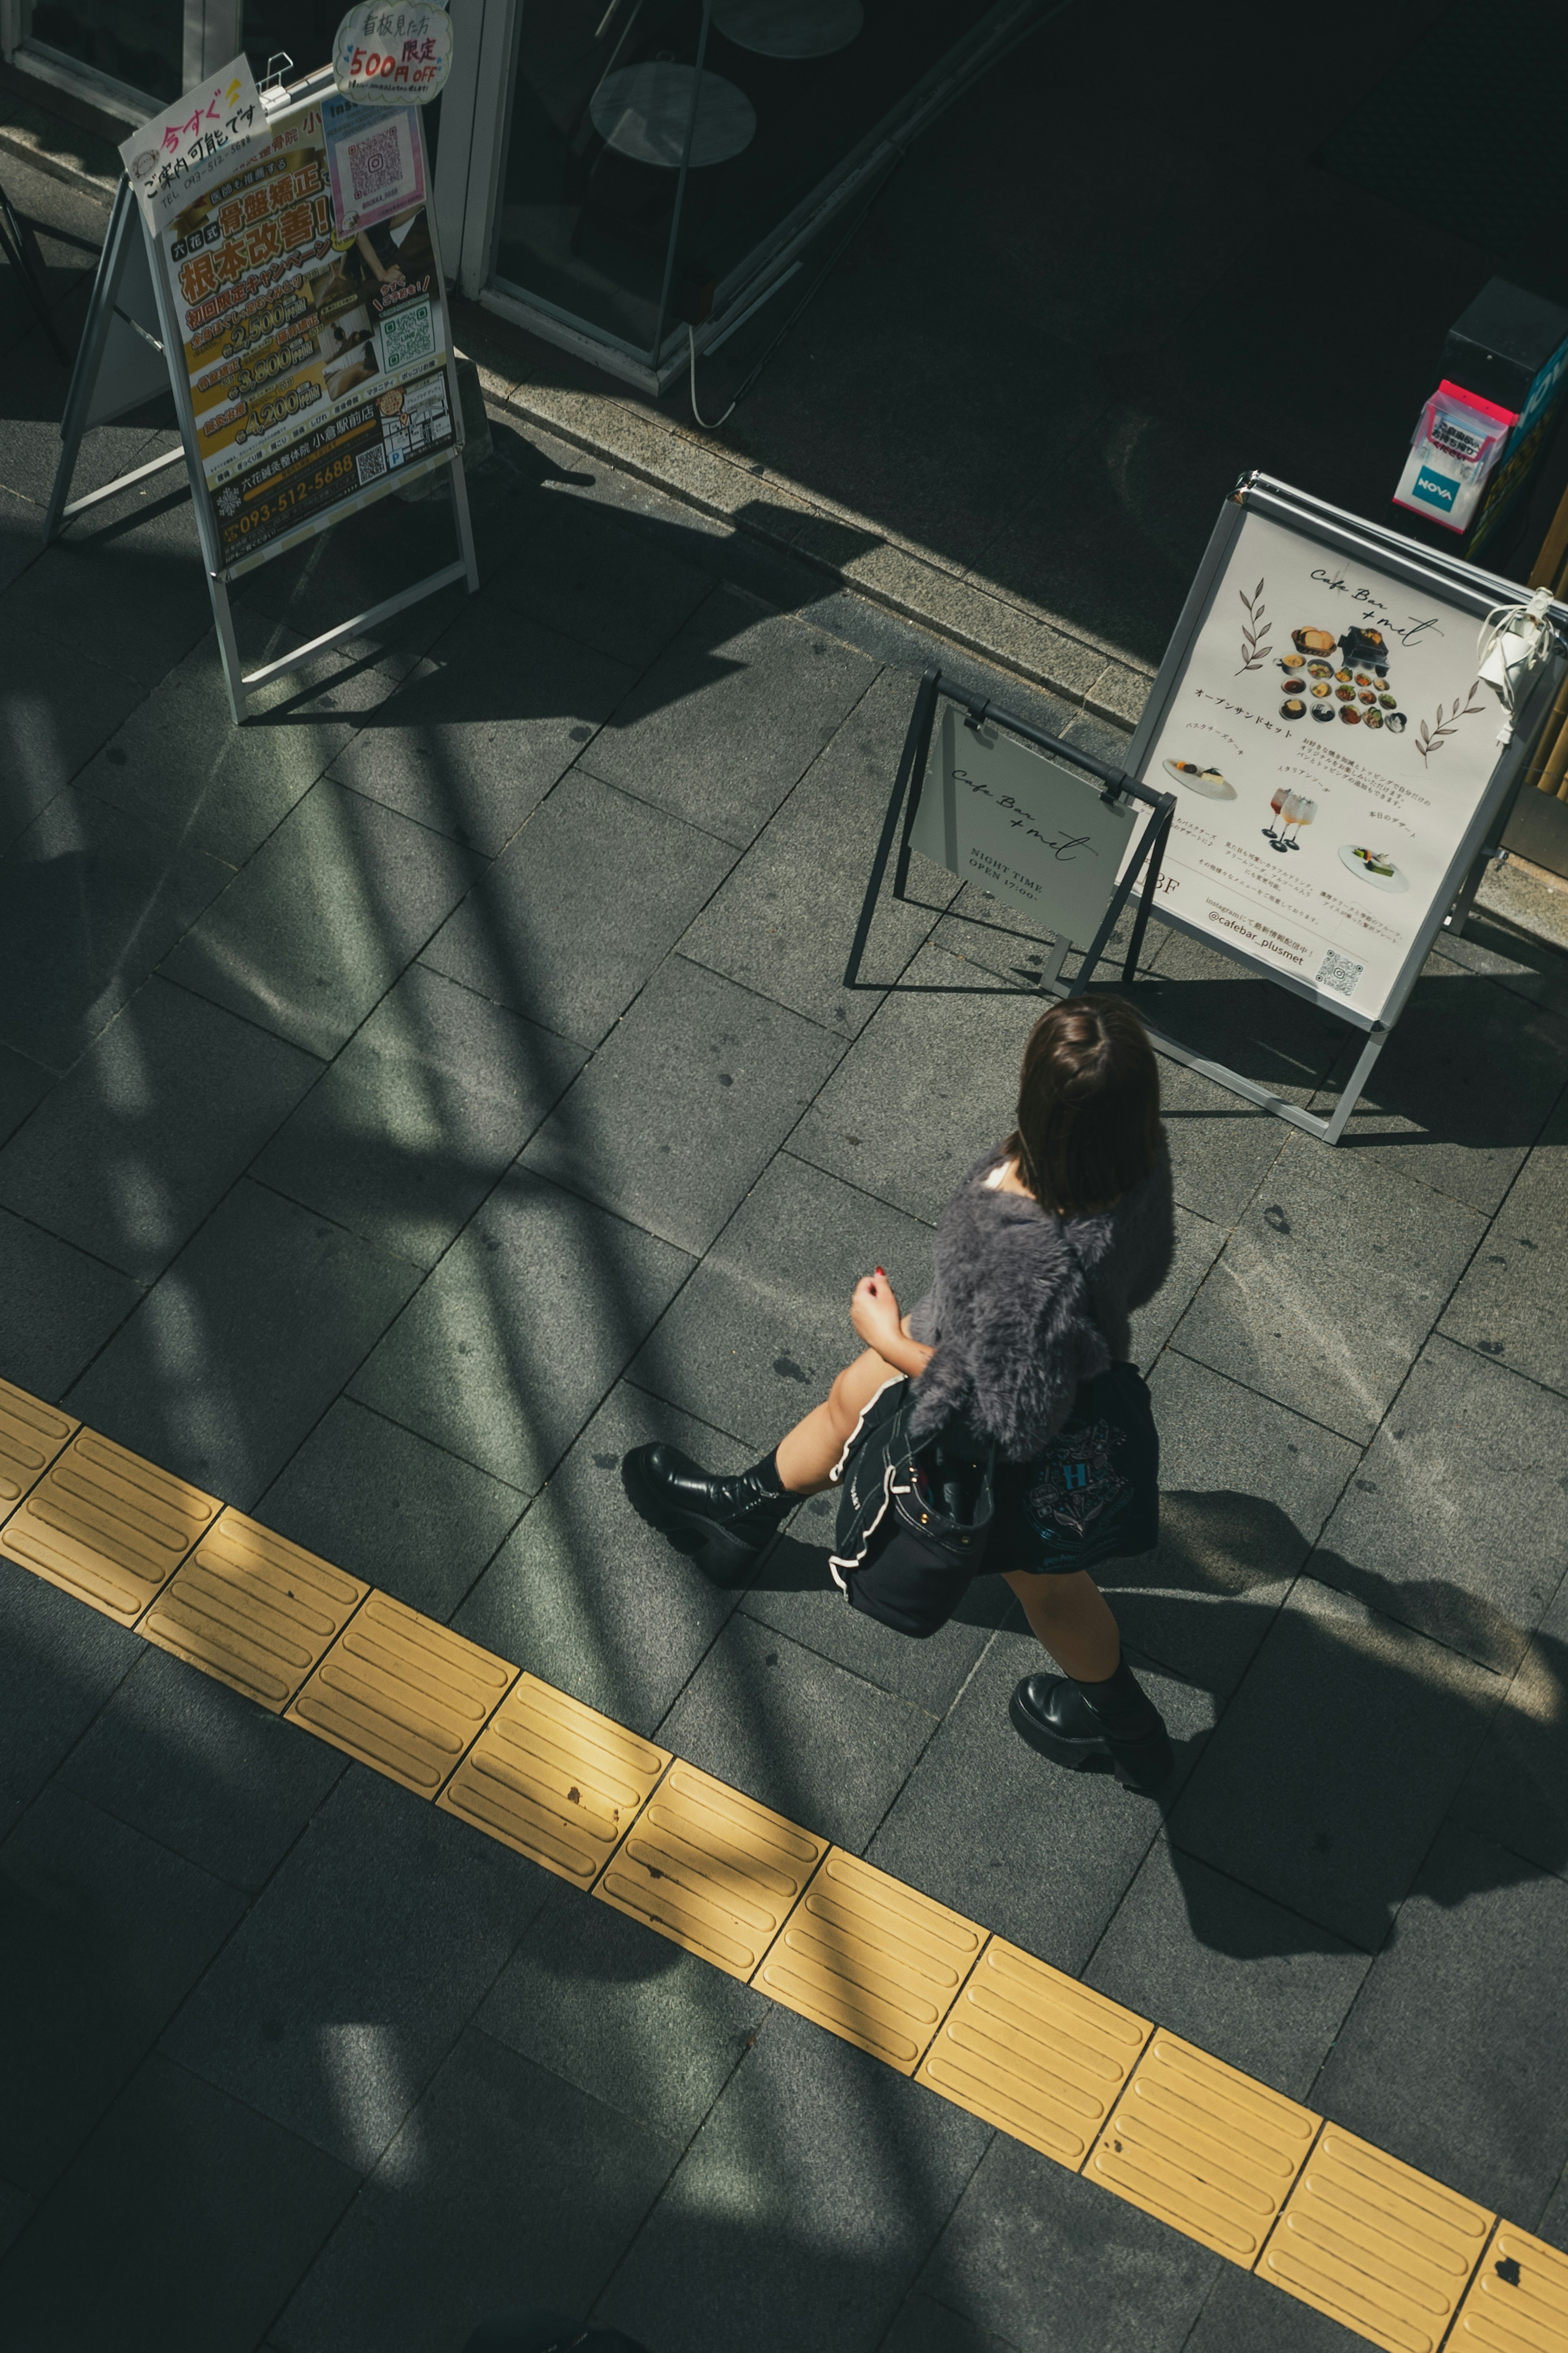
130	352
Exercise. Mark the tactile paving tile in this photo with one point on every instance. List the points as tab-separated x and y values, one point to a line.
253	1610
107	1527
1033	2052
1381	2248
871	1959
31	1435
1517	2301
1203	2147
403	1693
711	1868
555	1779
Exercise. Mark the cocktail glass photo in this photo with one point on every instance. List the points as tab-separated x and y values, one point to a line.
1302	813
1275	804
1288	808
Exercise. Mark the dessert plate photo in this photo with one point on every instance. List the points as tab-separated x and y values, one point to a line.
1207	781
1373	867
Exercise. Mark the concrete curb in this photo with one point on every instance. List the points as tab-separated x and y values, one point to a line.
907	580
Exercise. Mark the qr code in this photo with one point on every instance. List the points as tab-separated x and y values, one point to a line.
407	335
1340	973
371	465
374	164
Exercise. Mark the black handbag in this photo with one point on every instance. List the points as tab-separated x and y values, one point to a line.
913	1520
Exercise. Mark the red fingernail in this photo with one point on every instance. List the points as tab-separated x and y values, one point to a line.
883	1273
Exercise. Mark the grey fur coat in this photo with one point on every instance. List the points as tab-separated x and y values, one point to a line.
1017	1319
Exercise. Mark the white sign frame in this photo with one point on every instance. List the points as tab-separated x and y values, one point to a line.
1424	570
129	318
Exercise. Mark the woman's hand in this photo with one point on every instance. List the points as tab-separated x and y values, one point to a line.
874	1311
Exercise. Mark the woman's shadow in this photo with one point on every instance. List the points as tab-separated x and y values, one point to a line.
1355	1719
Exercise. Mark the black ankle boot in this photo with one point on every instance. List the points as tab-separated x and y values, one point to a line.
1077	1724
723	1523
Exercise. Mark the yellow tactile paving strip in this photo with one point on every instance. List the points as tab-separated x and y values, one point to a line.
1517	2301
254	1609
403	1693
872	1960
31	1435
712	1869
1382	2248
1035	2053
1206	2148
1391	2255
555	1779
108	1527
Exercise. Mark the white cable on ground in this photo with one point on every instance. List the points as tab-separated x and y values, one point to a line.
709	424
1515	641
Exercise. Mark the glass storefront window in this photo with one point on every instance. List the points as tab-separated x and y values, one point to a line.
303	30
655	145
138	43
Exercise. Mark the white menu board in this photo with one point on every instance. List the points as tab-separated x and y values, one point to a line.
1329	744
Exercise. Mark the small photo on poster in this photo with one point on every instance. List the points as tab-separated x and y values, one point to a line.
376	163
350	355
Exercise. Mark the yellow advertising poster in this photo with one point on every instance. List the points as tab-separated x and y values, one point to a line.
314	346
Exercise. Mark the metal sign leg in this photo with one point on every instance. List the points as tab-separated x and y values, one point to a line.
228	647
1335	1125
461	518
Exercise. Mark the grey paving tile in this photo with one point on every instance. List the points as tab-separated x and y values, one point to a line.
133	587
1245	2313
1246	1488
61	1307
353	1974
408	1517
1454	2057
1554	2224
314	930
1516	1789
568	926
1329	1284
445	2233
1335	1762
228	787
819	1746
1466	1140
150	1129
1197	996
475	737
241	1347
757	1335
106	1932
921	2325
623	2014
1263	1989
801	2210
90	902
418	1115
784	921
1513	1302
588	1596
1455	1521
1041	1855
684	1105
16	2208
611	579
201	1769
522	1328
59	1664
794	1593
929	1085
61	706
1221	1149
199	2216
731	716
21	530
22	1085
1198	1244
1051	2263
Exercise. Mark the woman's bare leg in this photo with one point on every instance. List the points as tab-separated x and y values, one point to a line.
1072	1618
806	1456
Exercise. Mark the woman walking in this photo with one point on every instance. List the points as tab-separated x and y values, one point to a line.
1022	1344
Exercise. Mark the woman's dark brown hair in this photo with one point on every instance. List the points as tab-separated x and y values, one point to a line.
1088	1105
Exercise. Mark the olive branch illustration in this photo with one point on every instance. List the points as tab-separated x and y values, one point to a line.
1431	739
1253	637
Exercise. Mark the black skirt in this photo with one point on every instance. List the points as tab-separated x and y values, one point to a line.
1091	1494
